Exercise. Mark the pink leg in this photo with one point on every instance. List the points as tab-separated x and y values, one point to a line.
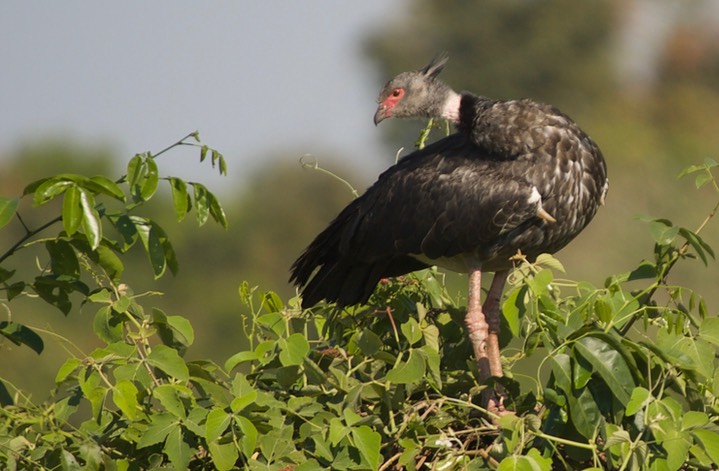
477	324
484	333
492	312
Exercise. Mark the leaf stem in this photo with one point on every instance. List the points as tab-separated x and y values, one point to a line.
648	293
316	166
28	234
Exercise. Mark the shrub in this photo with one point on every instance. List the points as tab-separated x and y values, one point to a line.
621	376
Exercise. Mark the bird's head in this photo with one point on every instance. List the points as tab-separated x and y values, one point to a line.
416	94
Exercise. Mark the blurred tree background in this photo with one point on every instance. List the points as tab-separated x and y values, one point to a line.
649	99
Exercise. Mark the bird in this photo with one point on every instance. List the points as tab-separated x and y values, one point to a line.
515	176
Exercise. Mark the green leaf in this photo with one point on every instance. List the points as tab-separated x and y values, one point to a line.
645	270
135	170
709	330
160	426
216	211
694	419
677	447
562	369
173	330
618	437
702	179
168	250
662	231
690	169
142	177
582	373
33	186
177	449
71	210
368	443
431	337
15	289
170	396
69	462
126	226
68	368
532	461
265	351
337	431
51	188
699	245
124	395
148	187
167	360
122	304
639	398
604	311
432	361
91	225
92	454
309	465
107	325
151	240
239	358
21	335
701	352
8	206
223	165
63	260
216	423
408	372
584	412
248	440
93	389
56	292
240	402
609	364
411	331
110	262
271	302
102	184
512	309
180	197
6	274
368	342
293	349
539	283
549	261
224	456
202	204
710	443
5	397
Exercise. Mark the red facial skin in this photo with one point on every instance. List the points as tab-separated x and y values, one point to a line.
385	108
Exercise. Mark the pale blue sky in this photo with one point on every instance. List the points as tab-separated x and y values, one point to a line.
253	77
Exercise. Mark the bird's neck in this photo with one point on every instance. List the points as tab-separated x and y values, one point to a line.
471	107
451	108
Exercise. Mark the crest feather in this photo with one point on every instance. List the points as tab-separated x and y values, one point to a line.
436	65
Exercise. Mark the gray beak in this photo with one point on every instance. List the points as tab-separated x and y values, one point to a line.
380	115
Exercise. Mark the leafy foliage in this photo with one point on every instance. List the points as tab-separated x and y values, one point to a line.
621	376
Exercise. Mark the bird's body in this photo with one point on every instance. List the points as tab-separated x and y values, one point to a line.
516	176
473	198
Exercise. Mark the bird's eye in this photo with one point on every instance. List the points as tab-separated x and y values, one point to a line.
396	92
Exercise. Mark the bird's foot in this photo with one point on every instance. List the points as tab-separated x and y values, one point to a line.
492	400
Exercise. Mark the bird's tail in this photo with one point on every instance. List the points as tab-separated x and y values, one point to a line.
331	268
